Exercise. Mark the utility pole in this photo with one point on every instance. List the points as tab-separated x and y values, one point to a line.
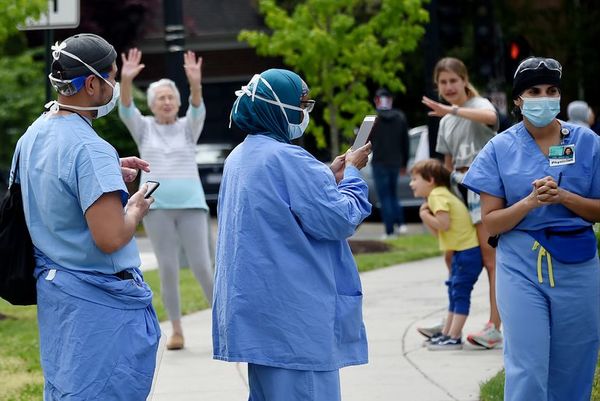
175	44
432	54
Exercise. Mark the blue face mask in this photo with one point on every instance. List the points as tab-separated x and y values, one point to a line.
540	111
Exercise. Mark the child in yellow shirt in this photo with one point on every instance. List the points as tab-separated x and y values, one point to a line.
447	217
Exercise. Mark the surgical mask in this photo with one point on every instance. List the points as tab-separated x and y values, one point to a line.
102	110
540	111
295	131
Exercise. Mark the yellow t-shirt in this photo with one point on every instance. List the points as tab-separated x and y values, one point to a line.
461	235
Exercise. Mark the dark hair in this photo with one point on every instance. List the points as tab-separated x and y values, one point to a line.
432	169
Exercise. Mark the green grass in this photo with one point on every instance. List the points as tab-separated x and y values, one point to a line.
493	389
20	372
404	249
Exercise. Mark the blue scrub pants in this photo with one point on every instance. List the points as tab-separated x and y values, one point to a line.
466	267
277	384
98	336
386	182
551	334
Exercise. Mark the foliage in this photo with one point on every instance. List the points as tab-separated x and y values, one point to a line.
15	12
22	97
114	131
23	82
339	46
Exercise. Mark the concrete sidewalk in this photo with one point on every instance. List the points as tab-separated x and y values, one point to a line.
396	301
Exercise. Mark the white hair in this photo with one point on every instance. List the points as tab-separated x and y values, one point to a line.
151	92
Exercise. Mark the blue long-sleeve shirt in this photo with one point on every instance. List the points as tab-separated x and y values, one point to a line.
287	290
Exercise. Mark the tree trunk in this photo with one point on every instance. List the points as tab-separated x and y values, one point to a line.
334	133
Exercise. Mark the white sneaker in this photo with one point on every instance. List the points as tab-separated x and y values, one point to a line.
488	338
402	229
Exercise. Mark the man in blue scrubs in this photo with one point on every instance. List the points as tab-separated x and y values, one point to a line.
98	331
288	298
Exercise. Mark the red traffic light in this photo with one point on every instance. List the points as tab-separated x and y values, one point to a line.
514	51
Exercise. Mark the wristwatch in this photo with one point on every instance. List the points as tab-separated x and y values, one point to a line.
454	110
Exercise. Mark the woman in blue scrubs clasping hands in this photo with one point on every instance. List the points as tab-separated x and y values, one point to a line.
288	298
542	201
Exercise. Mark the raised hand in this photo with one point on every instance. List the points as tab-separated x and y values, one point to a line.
437	109
193	69
131	64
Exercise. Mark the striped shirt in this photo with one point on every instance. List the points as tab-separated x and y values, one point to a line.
171	151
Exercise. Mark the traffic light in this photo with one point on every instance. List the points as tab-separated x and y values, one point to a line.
517	49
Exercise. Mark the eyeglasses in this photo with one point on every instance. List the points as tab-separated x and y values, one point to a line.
308	105
533	63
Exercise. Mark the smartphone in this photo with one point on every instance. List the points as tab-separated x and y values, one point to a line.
152	185
364	132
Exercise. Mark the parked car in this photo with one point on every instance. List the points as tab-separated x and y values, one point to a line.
418	149
210	158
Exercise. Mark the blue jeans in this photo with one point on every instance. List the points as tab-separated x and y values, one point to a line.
386	182
466	267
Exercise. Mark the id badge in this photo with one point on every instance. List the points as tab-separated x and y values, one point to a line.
561	155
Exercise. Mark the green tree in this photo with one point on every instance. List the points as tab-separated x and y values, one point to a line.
340	47
14	12
22	97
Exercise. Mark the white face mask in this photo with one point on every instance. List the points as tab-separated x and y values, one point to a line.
102	110
295	131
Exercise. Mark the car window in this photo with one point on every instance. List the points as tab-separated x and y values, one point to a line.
209	153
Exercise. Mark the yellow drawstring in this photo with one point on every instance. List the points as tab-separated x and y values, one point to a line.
541	253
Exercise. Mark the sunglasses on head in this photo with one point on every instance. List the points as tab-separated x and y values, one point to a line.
534	63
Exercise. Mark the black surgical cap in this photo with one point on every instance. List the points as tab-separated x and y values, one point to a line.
90	48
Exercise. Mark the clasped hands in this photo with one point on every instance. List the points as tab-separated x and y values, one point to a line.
545	191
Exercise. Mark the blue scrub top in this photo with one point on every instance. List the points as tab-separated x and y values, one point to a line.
64	168
511	161
287	289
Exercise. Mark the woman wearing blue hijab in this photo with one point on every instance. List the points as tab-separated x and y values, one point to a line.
288	298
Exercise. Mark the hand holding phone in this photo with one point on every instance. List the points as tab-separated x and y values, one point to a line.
152	186
364	132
